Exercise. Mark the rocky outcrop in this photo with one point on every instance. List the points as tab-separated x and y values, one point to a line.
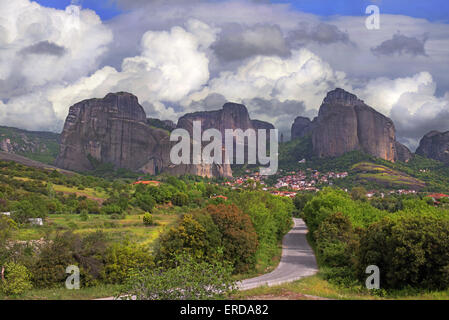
263	125
115	130
231	116
435	145
403	153
345	123
301	127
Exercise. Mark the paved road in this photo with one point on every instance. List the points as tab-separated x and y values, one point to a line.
298	261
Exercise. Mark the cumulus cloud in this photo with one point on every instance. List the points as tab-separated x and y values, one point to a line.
42	45
41	48
302	77
401	44
275	89
170	66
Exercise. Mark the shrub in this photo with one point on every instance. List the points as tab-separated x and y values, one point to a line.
69	249
336	243
148	219
84	215
188	237
180	199
120	259
17	279
409	250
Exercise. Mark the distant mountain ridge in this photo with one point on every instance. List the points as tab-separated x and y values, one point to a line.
36	145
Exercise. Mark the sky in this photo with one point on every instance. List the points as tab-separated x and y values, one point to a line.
278	57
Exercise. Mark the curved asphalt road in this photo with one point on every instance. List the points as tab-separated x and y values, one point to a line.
298	261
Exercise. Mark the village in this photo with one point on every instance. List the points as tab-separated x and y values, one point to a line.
290	183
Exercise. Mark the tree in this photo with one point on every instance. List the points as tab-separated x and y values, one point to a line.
239	238
188	237
17	279
188	280
180	199
148	219
359	194
411	251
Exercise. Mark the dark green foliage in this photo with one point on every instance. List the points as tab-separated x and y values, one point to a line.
336	243
410	251
180	199
69	249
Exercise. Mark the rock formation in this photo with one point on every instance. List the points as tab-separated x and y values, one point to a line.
231	116
435	145
301	127
115	130
345	123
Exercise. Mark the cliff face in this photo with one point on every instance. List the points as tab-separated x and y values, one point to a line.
345	123
435	145
115	130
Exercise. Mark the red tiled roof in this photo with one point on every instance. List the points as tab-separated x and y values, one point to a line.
147	182
438	195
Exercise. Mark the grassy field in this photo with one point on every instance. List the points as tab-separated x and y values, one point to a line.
130	227
315	288
87	192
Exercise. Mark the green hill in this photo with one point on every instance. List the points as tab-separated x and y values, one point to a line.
39	146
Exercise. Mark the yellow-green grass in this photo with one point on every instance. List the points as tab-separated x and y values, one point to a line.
131	227
317	287
97	292
87	192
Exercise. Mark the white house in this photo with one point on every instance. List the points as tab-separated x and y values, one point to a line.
36	221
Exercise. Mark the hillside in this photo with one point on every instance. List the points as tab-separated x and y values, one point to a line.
4	156
376	174
39	146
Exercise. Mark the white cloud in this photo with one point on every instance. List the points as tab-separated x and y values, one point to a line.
171	65
24	24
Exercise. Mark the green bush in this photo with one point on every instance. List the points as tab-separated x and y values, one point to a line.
84	215
410	251
148	219
180	199
17	279
336	243
120	259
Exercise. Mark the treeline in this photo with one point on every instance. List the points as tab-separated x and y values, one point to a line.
408	239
